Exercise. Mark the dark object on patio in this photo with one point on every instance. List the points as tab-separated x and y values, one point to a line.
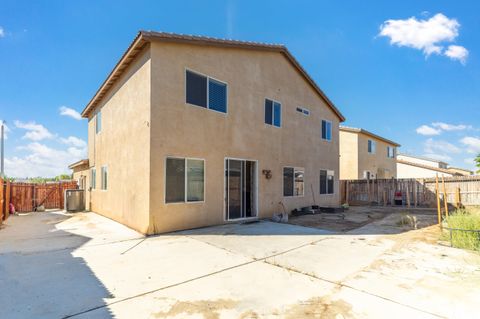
332	210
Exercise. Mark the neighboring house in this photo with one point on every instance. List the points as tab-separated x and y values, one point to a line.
80	173
366	155
409	166
193	131
460	171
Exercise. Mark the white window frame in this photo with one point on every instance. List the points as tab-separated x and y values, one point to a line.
104	178
331	125
373	148
295	169
326	186
185	201
273	112
303	110
97	130
93	178
208	91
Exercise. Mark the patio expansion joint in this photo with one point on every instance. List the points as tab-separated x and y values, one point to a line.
254	260
342	284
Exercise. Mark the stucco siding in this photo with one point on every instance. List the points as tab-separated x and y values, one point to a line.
123	145
348	155
179	129
377	163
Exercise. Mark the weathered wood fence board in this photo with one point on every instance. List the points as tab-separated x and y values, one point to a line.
415	192
26	196
4	199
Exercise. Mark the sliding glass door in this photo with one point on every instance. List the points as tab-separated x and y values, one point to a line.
240	189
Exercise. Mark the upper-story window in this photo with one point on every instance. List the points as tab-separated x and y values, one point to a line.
326	130
206	92
390	152
372	146
303	110
273	113
98	122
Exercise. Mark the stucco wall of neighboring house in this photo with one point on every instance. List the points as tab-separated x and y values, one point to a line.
377	163
410	171
348	155
123	145
183	130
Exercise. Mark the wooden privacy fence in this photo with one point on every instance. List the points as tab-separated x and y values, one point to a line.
27	196
414	192
4	199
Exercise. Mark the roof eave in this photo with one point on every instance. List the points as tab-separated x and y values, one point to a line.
144	37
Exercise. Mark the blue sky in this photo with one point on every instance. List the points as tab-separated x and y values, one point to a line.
406	70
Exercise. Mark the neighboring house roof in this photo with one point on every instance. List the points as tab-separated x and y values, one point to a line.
361	130
461	169
432	168
423	158
144	37
79	163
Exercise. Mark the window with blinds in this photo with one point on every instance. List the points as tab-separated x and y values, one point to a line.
206	92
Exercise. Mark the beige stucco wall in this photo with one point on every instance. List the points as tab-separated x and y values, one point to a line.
184	130
124	146
355	158
378	163
348	155
410	171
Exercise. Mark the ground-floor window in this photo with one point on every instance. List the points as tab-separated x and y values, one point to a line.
326	181
293	181
93	178
184	180
104	177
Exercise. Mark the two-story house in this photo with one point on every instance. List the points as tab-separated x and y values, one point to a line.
191	131
365	155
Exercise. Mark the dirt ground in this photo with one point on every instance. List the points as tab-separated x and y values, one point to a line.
357	216
58	265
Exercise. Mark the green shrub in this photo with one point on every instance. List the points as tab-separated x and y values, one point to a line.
467	219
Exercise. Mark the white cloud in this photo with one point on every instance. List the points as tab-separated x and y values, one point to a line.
66	111
35	132
2	32
42	160
427	130
425	35
440	157
457	52
74	141
434	146
451	127
472	143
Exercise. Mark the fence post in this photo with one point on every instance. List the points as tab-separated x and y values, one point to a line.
445	198
438	201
